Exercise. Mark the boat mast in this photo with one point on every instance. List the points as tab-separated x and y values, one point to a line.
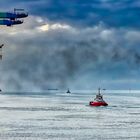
99	91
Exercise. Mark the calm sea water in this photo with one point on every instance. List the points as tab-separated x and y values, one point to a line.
61	116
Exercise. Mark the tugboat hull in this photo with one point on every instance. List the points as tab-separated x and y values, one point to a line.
92	103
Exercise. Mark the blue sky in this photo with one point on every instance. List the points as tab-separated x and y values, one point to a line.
78	44
87	13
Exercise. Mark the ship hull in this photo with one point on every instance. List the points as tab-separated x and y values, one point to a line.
92	103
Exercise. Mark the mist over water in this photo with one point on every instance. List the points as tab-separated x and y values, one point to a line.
61	56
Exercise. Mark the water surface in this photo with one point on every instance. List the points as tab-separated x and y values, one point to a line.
61	116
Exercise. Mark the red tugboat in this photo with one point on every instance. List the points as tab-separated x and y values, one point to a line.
98	101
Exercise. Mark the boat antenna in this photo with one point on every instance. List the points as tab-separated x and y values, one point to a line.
99	91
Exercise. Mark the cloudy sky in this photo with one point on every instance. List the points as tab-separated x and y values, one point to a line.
72	43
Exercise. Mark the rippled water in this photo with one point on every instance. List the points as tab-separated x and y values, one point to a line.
61	116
